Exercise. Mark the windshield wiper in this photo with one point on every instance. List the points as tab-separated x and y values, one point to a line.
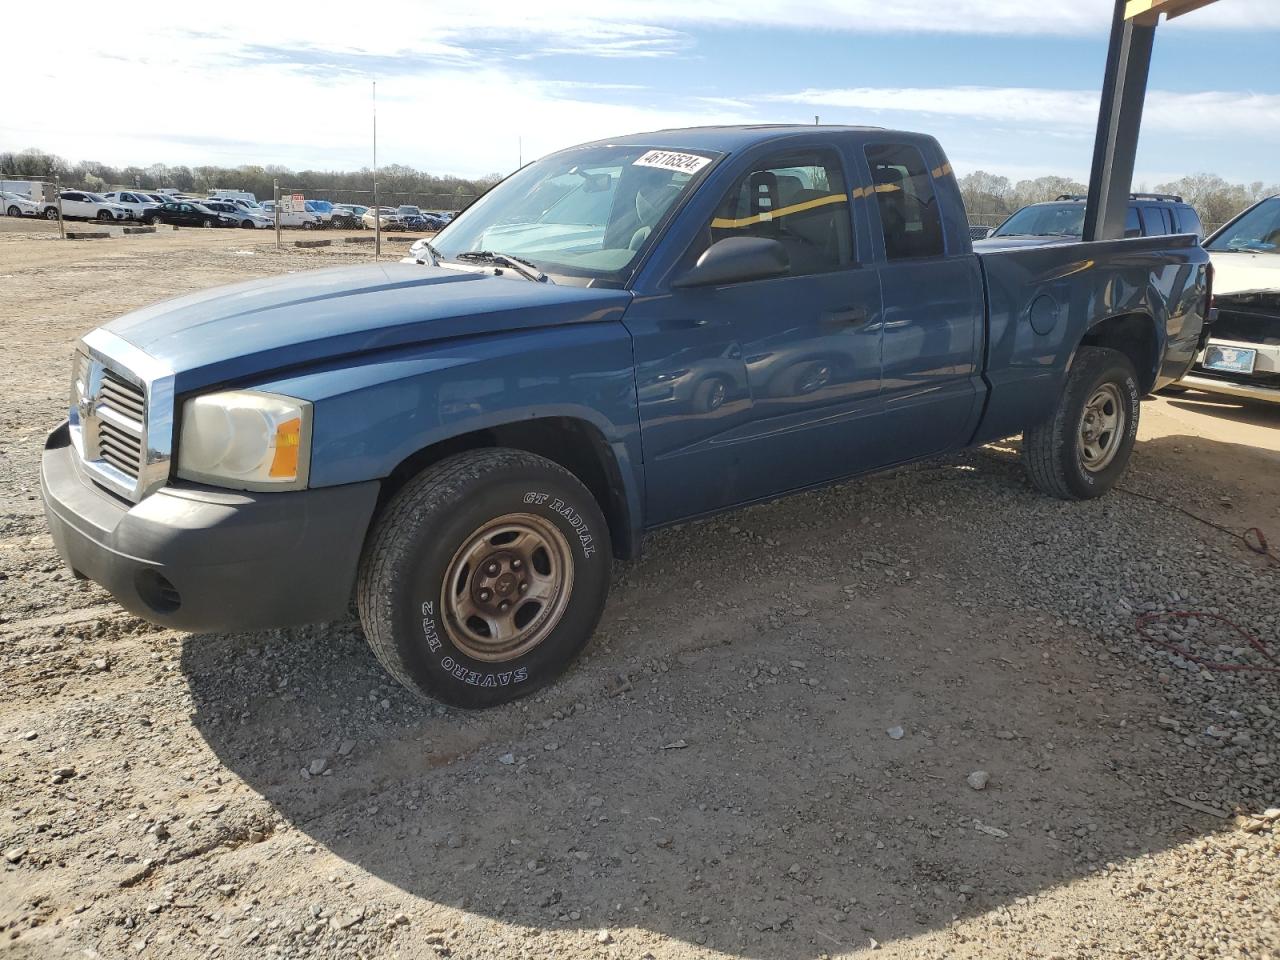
435	254
519	265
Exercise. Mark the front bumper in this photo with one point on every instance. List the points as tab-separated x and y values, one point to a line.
205	559
1260	385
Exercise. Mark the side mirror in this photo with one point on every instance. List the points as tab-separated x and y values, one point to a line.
736	260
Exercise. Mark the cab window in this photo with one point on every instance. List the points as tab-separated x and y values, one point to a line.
905	199
797	199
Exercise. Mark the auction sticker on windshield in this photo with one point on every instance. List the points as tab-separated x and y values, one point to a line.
666	160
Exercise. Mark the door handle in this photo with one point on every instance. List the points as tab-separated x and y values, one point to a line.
845	317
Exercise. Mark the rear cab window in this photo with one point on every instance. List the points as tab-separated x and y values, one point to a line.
910	220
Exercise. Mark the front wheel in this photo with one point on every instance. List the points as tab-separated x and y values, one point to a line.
484	577
1082	450
206	223
154	221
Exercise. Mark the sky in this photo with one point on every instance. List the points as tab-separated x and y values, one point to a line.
1007	86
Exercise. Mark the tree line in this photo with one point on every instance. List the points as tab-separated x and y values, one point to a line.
396	182
990	198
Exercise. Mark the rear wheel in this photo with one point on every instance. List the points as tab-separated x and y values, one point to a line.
154	221
51	213
206	222
1082	450
484	577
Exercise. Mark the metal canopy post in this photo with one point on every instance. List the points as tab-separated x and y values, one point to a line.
1124	88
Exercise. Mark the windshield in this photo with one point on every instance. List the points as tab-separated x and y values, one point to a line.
1045	220
1257	231
324	206
587	213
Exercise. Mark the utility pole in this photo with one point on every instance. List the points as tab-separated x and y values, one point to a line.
275	208
377	211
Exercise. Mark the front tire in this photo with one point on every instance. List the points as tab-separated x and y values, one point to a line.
1082	450
207	223
484	577
105	215
14	212
154	221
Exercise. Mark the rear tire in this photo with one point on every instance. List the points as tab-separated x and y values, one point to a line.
51	213
155	221
467	535
1082	450
206	223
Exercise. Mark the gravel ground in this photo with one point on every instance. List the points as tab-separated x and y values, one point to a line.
910	714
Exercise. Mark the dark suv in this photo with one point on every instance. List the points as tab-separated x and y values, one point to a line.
1150	215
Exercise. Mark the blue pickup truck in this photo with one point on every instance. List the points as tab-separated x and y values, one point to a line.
620	336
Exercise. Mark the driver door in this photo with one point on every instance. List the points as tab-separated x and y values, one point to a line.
750	389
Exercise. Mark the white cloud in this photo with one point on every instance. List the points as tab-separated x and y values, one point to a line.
1217	112
458	86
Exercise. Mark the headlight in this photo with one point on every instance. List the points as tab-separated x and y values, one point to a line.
246	440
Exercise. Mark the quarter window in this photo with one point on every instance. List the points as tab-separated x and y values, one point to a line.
798	199
906	201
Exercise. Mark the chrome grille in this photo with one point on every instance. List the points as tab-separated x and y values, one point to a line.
121	410
121	415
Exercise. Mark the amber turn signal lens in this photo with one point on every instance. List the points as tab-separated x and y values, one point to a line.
288	442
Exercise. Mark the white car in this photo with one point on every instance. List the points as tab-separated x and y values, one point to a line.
81	205
16	205
307	221
135	202
254	218
1242	355
390	219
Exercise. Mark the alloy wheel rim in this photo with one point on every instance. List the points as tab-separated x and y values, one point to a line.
507	587
1101	428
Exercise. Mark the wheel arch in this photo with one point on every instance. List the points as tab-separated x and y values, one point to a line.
574	443
1136	336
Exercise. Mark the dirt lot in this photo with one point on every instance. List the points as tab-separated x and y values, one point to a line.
764	753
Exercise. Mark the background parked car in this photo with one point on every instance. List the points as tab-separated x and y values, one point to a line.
183	213
16	205
80	205
979	232
136	203
250	219
347	216
389	218
323	211
1150	215
307	221
1241	357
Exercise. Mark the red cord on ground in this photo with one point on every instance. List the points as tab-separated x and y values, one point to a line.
1148	618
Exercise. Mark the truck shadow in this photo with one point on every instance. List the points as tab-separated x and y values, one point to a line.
722	768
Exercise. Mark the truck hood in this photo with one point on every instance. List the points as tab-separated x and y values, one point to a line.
1239	272
241	331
